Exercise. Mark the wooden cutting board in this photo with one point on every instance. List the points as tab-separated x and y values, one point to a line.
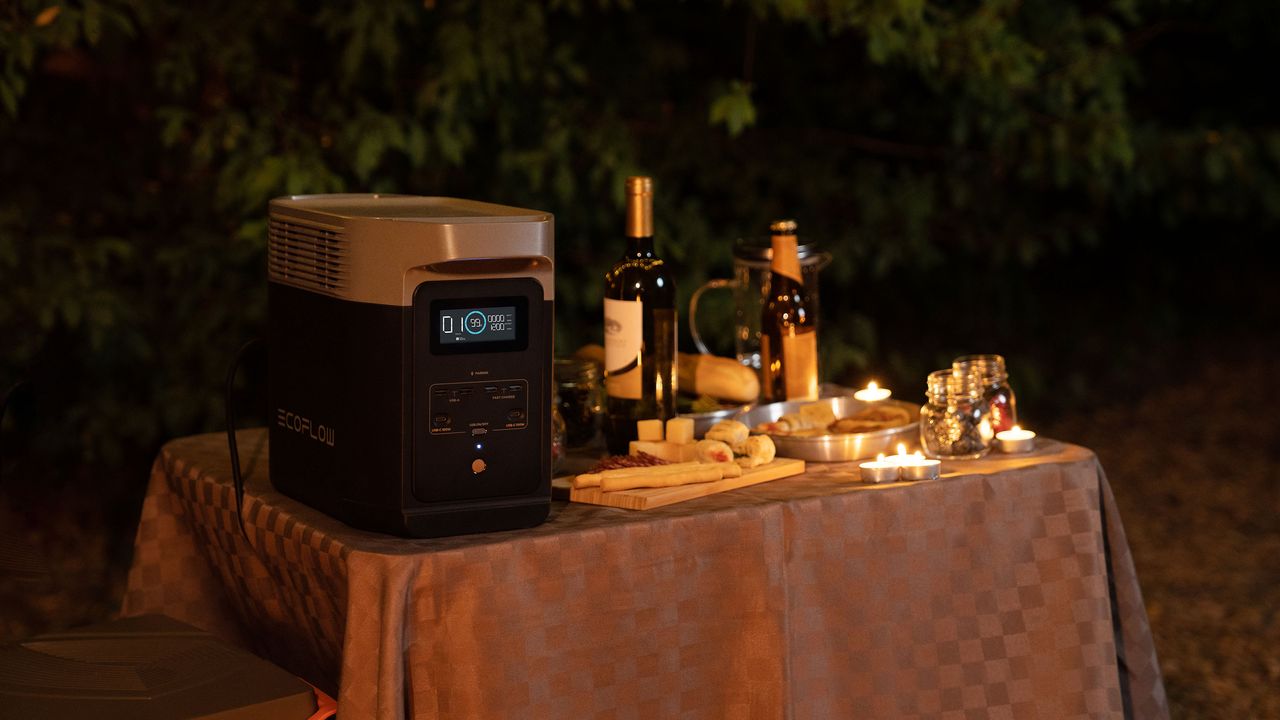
647	498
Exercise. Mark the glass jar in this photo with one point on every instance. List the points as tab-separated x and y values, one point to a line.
557	439
995	387
578	391
955	423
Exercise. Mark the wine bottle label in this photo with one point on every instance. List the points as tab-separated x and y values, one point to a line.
623	342
800	365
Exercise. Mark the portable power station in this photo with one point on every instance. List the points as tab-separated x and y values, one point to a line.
409	361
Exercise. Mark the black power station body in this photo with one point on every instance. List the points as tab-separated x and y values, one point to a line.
410	361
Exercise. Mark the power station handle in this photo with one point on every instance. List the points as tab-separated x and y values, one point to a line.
515	265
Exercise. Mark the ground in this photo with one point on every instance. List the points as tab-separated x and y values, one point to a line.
1193	468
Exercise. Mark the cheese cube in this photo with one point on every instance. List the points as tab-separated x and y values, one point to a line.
669	451
680	430
649	430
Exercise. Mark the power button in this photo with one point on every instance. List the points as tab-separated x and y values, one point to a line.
478	466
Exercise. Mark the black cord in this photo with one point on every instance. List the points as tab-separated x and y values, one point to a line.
4	408
230	409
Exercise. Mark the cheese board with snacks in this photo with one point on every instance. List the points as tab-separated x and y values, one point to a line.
668	465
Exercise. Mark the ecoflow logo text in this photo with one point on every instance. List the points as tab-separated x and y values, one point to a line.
304	426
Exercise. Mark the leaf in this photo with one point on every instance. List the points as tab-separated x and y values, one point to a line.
173	121
48	15
8	97
733	108
369	153
266	181
92	22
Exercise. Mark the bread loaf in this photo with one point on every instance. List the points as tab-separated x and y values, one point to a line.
721	378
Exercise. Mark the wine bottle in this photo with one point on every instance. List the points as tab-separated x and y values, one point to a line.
788	324
639	327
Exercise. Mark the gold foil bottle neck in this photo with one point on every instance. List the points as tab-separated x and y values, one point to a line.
783	227
639	206
783	256
639	185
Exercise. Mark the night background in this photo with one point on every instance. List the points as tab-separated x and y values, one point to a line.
1089	189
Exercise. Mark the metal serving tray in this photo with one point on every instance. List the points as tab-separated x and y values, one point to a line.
703	421
836	447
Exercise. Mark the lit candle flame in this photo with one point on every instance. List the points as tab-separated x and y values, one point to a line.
1017	429
880	457
872	393
902	448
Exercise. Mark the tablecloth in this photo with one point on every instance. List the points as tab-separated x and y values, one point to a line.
1004	590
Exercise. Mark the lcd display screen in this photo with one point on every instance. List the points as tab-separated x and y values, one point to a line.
477	325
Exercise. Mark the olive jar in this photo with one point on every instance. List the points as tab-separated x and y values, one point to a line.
995	387
579	400
955	423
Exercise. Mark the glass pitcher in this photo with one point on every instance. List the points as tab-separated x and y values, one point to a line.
750	285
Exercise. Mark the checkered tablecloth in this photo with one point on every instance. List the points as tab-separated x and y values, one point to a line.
1005	590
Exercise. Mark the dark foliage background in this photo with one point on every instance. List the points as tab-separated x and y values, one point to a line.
1085	187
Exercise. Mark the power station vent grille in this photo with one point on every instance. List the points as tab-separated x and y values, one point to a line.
306	255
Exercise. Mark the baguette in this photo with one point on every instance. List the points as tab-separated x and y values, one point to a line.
593	479
657	476
702	473
721	378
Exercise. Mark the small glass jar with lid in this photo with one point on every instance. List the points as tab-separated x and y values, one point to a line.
557	439
996	389
578	391
955	423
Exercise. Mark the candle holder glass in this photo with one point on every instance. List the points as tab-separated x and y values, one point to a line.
955	423
996	389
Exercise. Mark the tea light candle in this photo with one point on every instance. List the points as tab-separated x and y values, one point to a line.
902	458
918	467
872	393
1016	440
879	470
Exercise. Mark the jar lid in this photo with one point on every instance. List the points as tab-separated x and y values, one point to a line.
947	385
965	384
936	384
569	371
990	367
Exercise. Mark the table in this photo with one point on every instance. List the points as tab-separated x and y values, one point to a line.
1005	590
